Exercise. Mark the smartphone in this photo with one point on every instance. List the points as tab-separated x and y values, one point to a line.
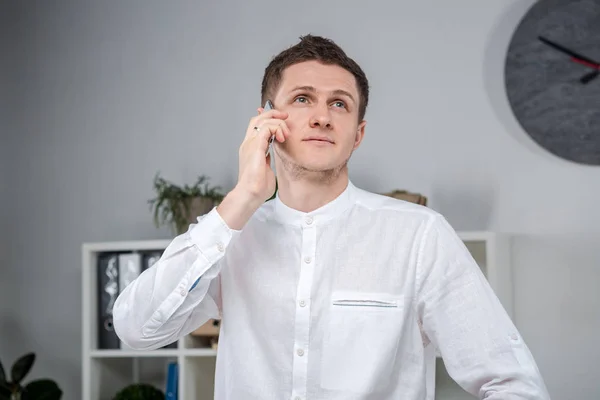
269	106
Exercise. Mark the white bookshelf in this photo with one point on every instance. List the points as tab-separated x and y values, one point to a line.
104	372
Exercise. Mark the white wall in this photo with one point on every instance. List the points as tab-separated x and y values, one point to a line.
109	94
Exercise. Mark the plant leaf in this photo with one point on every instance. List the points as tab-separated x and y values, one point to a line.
21	367
2	374
4	393
42	389
171	202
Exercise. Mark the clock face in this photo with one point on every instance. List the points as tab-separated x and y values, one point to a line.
552	77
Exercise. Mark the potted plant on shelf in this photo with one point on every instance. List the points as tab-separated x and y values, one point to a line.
139	391
12	388
180	206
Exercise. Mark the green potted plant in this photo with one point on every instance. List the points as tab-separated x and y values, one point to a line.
140	391
12	387
179	206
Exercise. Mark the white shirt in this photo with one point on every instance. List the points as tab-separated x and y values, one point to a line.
333	304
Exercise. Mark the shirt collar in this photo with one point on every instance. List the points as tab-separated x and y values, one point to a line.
337	206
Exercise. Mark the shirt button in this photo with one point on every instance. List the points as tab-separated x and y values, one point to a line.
297	398
220	247
307	260
308	220
182	292
302	303
300	352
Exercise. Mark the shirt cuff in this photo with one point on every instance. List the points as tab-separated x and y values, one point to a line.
211	235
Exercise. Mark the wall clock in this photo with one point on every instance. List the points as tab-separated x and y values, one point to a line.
552	77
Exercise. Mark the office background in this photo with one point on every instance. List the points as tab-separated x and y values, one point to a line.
98	97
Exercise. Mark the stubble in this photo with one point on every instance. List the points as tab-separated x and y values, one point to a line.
298	172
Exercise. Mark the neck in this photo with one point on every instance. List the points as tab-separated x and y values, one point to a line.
306	194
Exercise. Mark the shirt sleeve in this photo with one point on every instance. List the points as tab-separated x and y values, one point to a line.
180	291
481	347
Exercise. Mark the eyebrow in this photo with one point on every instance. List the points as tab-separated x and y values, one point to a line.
337	92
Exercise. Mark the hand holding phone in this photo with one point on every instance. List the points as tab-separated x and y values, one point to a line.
256	179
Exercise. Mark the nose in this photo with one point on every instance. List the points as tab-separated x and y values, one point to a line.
320	118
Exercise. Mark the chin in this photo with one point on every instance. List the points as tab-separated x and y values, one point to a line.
315	164
321	167
311	163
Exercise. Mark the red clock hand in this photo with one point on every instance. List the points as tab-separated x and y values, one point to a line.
578	58
583	62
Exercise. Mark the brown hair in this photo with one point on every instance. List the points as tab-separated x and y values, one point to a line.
320	49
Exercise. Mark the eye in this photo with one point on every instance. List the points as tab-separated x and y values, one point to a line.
301	99
340	104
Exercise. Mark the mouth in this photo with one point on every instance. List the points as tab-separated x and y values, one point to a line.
319	139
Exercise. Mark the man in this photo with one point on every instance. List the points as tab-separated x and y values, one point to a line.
326	291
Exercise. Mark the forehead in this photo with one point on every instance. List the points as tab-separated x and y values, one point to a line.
323	77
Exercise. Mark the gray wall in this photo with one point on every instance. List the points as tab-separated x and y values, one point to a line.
111	92
8	102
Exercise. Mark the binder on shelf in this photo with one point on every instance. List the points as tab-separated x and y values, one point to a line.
172	381
116	270
108	290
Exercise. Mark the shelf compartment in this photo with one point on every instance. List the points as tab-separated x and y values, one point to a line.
114	374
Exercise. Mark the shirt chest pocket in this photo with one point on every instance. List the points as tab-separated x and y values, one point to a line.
360	342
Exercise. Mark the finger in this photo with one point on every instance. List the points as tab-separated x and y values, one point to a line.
283	132
253	127
269	124
286	130
280	135
262	117
273	113
274	122
280	131
261	136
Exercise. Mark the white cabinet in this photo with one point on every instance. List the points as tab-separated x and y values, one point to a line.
104	372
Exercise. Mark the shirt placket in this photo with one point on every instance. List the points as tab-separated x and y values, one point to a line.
301	340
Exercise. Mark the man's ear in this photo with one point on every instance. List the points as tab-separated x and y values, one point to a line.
360	134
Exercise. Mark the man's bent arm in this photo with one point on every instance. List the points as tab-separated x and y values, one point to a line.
462	316
179	292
